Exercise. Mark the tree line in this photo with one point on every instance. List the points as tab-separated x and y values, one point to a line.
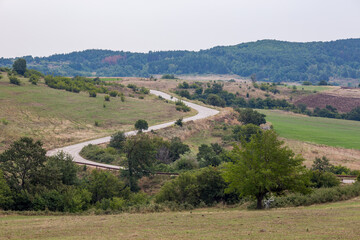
269	59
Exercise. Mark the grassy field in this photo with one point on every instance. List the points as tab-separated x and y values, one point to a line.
313	88
60	118
328	221
331	132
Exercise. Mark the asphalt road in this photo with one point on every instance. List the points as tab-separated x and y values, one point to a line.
74	150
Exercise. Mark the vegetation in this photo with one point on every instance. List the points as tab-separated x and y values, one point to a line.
331	132
263	166
267	60
141	125
19	66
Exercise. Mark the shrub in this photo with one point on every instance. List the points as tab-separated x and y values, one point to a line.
122	99
96	123
34	79
179	122
107	98
113	93
168	76
187	161
14	80
92	94
321	195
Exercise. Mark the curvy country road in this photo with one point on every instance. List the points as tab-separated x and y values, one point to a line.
74	150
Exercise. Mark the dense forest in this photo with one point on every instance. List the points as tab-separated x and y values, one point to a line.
269	59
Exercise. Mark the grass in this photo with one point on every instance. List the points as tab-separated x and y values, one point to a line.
331	132
313	88
327	221
60	118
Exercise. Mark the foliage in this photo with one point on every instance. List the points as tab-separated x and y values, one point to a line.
187	161
22	163
14	80
107	98
205	185
318	196
168	76
251	116
19	66
181	106
179	122
5	193
97	154
141	125
268	59
177	148
140	152
245	132
117	140
324	179
34	79
264	166
207	156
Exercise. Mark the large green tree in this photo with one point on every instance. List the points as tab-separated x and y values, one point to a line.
249	115
22	163
141	125
140	152
19	66
264	166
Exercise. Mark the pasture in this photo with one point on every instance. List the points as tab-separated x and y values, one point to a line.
327	131
327	221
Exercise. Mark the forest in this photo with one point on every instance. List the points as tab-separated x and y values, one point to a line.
269	60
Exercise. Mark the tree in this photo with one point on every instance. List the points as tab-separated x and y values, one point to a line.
5	193
322	164
19	66
179	122
141	125
22	163
264	166
140	153
177	148
104	185
117	141
253	78
249	115
65	167
245	132
215	100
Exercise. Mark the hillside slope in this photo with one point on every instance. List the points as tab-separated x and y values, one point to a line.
268	59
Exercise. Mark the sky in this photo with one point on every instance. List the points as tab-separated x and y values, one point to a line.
46	27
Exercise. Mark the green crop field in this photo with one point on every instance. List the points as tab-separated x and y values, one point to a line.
331	132
59	118
328	221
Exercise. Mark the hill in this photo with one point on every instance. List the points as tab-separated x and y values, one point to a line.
60	118
269	59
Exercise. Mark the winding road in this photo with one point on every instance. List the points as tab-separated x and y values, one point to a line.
74	150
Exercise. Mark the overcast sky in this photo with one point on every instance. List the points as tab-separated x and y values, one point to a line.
46	27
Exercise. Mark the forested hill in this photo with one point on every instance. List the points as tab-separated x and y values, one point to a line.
268	59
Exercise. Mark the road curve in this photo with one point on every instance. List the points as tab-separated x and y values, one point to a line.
74	150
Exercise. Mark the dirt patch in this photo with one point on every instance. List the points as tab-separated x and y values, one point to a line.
341	103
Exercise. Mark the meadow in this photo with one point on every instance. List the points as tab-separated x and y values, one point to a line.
327	131
327	221
59	118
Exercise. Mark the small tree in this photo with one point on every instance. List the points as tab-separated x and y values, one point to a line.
141	125
19	66
179	122
251	116
117	141
107	98
264	166
14	80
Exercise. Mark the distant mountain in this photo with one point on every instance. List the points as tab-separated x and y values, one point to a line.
269	59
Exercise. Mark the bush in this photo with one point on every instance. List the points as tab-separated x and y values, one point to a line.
92	94
187	161
168	76
34	79
321	195
14	80
180	106
113	93
324	179
107	98
205	186
179	122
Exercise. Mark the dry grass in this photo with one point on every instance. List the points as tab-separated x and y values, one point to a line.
328	221
338	156
60	118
